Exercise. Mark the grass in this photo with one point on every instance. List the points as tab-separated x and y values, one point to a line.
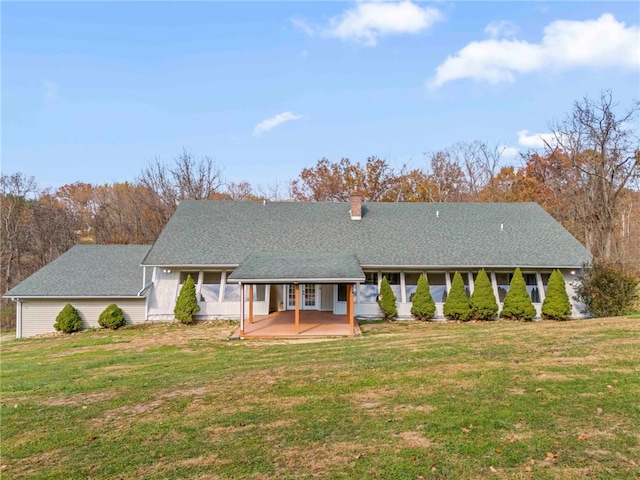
405	401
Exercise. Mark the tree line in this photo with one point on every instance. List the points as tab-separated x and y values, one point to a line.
587	177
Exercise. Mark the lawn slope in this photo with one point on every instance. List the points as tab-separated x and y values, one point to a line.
556	400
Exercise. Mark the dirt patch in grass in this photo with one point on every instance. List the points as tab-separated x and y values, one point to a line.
558	377
416	440
219	430
24	467
167	466
82	398
318	460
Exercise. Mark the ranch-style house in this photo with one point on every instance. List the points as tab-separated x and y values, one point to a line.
250	259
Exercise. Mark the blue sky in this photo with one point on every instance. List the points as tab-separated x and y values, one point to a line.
93	91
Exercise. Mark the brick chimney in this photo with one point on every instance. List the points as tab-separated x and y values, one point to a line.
356	205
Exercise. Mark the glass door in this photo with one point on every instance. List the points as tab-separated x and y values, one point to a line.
309	297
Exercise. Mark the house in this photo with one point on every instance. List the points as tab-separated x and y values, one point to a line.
255	258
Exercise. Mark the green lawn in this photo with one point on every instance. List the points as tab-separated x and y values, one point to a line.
404	401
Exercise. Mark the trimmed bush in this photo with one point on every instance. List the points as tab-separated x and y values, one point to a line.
457	307
556	305
517	303
68	320
387	300
112	317
483	301
607	290
423	307
187	303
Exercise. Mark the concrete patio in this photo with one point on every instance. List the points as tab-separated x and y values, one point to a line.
313	323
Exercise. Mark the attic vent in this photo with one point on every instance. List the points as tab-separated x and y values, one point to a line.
356	206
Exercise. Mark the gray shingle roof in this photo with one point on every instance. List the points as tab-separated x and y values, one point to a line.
433	235
88	271
298	267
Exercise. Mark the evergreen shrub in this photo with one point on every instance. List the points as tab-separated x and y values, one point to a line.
112	317
457	307
556	304
68	320
423	307
517	303
387	300
483	301
187	303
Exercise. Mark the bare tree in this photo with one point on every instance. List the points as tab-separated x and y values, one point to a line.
603	151
188	178
446	180
240	191
16	195
53	229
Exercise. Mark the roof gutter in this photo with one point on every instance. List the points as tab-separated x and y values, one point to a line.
454	267
74	297
182	265
295	280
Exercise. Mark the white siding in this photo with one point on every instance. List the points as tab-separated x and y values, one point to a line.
163	294
38	316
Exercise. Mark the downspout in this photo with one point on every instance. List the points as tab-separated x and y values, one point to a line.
144	282
18	317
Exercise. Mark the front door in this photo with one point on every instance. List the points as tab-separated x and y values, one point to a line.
309	297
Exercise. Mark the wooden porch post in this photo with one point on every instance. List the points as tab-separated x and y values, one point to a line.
250	304
348	287
297	301
241	310
350	309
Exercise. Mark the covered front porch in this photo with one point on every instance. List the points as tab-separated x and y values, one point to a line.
302	272
311	323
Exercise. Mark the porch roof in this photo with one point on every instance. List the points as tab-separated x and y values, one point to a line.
294	267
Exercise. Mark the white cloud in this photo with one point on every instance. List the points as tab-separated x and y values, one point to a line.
368	21
304	26
273	122
501	28
535	140
509	152
565	45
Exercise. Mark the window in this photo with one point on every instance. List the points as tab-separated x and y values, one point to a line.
371	278
532	286
368	292
210	289
465	280
437	286
193	274
291	296
342	292
231	293
503	280
410	285
259	293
